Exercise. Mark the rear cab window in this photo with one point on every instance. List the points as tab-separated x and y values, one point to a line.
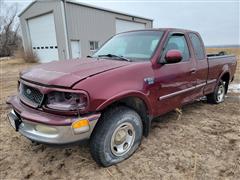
197	46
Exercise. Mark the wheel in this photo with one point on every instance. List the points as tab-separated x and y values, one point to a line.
218	95
116	136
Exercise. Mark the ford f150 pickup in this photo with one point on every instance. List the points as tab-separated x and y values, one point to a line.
111	97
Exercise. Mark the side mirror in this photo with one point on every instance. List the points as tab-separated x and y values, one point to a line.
173	56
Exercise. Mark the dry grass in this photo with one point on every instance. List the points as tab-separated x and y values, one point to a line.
27	56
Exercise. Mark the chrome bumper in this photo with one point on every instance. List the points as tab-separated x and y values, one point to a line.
55	135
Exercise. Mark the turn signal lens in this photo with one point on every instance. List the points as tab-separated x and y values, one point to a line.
80	123
80	126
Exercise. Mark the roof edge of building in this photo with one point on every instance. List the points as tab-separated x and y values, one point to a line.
90	6
26	8
107	10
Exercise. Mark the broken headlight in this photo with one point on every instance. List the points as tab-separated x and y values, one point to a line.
67	101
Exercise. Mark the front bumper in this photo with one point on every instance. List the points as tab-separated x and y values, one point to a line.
48	128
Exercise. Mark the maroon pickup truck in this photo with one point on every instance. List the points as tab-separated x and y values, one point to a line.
112	97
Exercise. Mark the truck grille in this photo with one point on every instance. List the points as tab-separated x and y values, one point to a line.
31	94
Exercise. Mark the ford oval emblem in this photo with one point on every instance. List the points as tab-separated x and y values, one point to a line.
28	91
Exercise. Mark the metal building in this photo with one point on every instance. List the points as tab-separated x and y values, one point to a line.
65	29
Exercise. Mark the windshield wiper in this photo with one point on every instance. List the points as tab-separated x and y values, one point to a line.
115	56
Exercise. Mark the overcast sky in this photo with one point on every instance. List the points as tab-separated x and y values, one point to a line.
217	21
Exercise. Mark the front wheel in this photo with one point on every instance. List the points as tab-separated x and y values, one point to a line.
116	136
218	95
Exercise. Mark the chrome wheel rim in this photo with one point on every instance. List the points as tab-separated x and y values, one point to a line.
220	93
122	139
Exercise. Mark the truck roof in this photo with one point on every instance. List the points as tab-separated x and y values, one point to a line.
175	29
163	29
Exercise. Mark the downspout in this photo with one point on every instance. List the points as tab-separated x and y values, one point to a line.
65	29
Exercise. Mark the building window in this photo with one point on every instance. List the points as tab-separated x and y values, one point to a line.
93	45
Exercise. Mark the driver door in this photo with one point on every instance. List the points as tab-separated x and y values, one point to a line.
176	82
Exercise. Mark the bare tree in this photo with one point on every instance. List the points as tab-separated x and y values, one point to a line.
9	27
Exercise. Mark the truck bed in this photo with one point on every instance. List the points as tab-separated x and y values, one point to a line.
219	64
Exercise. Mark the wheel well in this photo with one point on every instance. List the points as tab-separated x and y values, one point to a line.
226	78
139	106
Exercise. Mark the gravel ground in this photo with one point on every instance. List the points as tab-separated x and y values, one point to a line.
201	143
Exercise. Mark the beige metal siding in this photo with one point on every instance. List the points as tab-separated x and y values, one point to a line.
40	8
83	23
89	24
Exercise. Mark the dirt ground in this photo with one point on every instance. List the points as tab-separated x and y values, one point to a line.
202	143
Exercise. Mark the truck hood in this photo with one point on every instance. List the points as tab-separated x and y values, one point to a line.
68	72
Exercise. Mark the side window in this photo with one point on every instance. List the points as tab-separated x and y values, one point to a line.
178	42
197	46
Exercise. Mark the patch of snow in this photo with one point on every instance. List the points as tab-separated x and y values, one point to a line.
5	58
235	88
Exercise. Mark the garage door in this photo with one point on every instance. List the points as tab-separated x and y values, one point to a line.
43	37
122	26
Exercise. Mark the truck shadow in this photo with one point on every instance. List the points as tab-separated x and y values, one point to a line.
173	115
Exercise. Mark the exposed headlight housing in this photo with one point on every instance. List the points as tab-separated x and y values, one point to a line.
67	101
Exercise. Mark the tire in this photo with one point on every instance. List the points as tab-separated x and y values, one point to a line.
116	136
218	95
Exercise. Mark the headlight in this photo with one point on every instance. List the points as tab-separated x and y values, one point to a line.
67	101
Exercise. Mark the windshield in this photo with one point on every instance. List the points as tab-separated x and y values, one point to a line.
135	46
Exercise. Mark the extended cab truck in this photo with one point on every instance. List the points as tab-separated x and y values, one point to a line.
112	97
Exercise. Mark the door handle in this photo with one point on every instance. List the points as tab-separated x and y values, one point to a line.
193	70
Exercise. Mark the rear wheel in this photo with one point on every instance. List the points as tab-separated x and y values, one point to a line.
219	93
116	136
